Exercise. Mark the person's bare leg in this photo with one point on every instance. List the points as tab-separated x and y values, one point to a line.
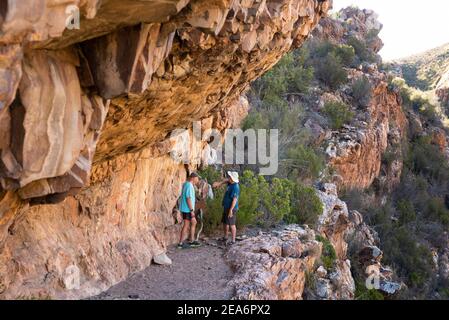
192	229
233	232
225	231
184	230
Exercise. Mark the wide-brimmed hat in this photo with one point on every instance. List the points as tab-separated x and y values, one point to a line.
234	176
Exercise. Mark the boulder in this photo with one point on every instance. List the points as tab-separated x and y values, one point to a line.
162	259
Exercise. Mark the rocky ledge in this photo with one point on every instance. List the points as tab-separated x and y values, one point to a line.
288	263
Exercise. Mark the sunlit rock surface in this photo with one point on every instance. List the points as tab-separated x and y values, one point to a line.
87	185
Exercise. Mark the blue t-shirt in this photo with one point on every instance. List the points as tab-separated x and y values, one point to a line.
187	192
233	191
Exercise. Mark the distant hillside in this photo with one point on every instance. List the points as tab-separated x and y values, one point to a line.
423	71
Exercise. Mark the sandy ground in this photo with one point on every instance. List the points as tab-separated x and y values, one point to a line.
196	274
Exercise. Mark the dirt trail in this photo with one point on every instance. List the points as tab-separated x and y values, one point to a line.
196	274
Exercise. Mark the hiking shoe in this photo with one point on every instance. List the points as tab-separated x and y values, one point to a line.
230	243
183	245
223	239
194	244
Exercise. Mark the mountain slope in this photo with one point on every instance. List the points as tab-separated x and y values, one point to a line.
425	70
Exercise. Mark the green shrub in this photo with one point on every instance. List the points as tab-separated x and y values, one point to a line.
210	174
411	260
306	206
256	120
214	213
417	100
346	54
310	281
361	50
290	75
249	200
321	49
306	162
362	90
429	112
276	200
338	114
406	211
363	293
266	204
436	210
263	202
427	159
330	70
328	255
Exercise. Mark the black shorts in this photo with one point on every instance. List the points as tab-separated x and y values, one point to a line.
229	221
186	216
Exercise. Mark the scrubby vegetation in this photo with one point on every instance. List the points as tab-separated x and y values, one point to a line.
410	221
424	71
306	207
338	114
329	60
417	101
265	204
328	255
362	293
362	90
414	218
290	75
362	52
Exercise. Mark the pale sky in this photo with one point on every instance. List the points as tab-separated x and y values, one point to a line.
410	26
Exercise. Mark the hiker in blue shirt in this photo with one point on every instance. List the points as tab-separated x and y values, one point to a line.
230	204
187	208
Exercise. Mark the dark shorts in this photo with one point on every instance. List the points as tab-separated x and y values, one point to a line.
186	216
229	221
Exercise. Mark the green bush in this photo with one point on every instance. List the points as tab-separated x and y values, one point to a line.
249	200
260	202
363	293
429	112
437	211
338	114
321	49
276	200
290	75
427	159
306	206
328	256
362	90
361	50
260	199
214	213
330	70
305	162
210	174
410	260
346	54
406	211
417	100
266	204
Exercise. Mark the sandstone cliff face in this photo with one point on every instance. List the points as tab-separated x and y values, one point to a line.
87	186
356	151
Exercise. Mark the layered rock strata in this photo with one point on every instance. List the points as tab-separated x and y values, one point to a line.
87	186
